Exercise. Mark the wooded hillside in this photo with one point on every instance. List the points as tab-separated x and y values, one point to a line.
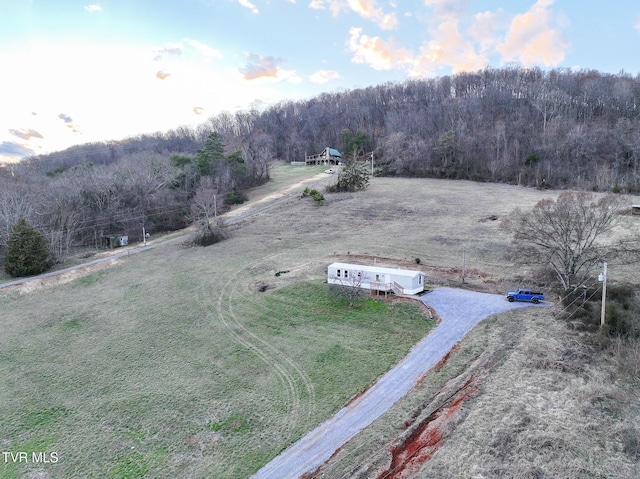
559	128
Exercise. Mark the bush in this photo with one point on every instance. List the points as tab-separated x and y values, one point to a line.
235	197
622	312
315	195
27	251
209	233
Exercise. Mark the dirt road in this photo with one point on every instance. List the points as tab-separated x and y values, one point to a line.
460	311
233	216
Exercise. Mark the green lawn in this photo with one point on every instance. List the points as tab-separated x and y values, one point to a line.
153	368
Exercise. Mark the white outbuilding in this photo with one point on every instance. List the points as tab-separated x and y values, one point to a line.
376	278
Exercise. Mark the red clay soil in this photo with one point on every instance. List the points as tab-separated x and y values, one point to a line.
318	472
357	395
440	363
425	439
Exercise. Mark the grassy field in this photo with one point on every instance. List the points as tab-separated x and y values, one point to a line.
173	364
189	362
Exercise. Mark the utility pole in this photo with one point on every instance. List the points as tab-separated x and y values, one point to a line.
603	277
464	262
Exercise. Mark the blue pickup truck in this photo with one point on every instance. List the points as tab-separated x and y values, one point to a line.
525	295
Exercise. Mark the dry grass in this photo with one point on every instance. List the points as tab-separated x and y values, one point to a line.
547	405
198	363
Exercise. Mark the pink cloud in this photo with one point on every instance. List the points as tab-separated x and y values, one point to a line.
323	76
260	66
375	52
533	38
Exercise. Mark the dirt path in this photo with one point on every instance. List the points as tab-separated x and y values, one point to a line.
248	209
460	311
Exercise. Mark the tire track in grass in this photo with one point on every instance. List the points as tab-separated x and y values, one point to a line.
237	332
308	383
284	366
291	364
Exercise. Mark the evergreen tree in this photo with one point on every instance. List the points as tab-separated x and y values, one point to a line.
211	155
27	251
353	177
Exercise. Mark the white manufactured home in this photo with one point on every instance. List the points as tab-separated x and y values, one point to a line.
376	278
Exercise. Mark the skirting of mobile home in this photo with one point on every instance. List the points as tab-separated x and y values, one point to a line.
377	278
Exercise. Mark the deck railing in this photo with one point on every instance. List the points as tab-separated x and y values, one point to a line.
380	286
397	288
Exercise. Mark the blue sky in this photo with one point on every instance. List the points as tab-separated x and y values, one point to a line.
78	71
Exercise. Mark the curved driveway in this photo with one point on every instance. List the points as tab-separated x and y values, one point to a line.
460	311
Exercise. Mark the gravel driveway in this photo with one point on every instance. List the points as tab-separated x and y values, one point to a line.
460	311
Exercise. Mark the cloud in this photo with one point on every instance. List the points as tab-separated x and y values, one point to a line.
171	49
335	6
375	52
26	134
65	118
367	9
486	27
249	5
203	49
93	8
14	150
162	75
532	38
323	76
69	122
448	9
447	49
260	66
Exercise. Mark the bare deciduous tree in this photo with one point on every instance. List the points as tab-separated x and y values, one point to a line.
349	287
14	205
207	205
570	234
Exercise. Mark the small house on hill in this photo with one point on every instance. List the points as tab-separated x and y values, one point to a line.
376	278
329	156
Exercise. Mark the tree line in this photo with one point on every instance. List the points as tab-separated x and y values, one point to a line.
79	202
558	128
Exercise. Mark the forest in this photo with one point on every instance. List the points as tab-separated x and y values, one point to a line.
547	129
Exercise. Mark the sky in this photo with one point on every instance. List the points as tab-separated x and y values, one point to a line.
75	71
